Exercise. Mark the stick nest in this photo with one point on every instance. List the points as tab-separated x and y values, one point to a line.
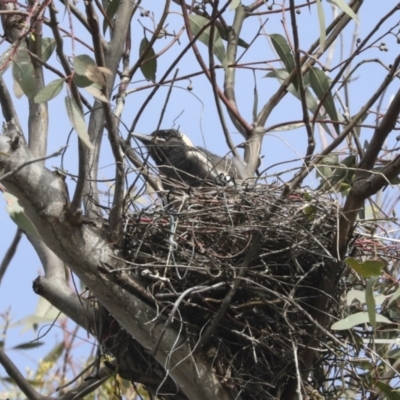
236	269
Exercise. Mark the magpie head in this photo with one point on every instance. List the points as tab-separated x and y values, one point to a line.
163	144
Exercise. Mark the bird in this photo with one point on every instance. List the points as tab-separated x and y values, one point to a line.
182	162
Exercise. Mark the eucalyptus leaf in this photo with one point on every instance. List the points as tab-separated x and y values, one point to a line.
281	75
321	20
23	73
48	46
50	91
110	12
370	301
320	84
357	319
96	93
394	296
78	122
366	268
284	51
85	66
81	81
17	214
149	64
197	22
28	345
389	392
345	8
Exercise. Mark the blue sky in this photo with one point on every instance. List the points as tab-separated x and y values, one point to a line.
194	113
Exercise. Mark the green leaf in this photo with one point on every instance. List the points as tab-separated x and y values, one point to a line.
357	129
284	51
255	103
281	75
345	8
111	10
326	169
48	46
224	35
197	22
85	66
310	211
149	64
50	91
357	319
23	73
28	345
394	296
18	92
82	63
81	81
17	214
370	300
344	172
320	84
321	20
78	122
366	268
359	295
388	391
96	93
5	60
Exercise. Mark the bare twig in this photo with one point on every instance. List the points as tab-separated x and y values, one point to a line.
166	100
79	190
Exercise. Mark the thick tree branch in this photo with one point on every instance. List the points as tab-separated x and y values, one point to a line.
38	122
84	249
13	373
366	183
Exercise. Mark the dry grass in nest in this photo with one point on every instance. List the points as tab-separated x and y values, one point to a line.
235	267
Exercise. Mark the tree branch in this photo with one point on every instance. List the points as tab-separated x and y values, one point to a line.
22	383
83	248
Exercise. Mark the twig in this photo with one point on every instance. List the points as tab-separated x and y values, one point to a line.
115	218
35	160
232	291
192	43
300	81
167	99
80	185
7	105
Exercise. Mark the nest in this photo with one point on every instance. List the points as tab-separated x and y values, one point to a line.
234	267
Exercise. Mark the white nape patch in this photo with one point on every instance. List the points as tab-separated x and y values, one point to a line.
202	158
186	140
